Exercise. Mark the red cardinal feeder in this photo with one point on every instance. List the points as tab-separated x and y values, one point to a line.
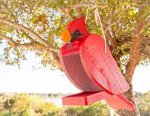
91	69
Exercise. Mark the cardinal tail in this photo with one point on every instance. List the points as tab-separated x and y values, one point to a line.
118	102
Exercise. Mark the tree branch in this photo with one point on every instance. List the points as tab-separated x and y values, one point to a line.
90	4
25	45
112	40
135	47
81	5
32	44
27	31
10	41
32	34
134	55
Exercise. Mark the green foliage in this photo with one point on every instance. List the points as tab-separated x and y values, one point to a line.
5	113
27	105
49	18
97	109
35	105
144	106
30	105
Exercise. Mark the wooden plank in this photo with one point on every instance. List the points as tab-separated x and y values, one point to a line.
84	98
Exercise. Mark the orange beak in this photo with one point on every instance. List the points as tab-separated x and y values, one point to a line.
65	36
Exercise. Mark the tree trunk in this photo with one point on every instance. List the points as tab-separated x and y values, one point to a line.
133	62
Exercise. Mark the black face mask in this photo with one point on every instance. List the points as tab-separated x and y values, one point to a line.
75	35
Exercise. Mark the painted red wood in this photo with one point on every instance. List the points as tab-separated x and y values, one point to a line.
89	68
78	24
117	102
102	66
72	65
84	98
93	71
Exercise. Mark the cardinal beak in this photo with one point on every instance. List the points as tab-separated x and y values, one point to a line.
66	36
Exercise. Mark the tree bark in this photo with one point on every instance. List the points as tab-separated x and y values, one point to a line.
132	63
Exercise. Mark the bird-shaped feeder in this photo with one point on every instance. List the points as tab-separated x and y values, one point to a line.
91	69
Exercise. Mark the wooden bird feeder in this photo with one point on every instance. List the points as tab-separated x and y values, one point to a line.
78	61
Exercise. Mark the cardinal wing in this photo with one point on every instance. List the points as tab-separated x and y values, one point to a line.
103	67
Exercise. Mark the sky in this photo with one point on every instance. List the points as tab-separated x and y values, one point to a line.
30	80
44	80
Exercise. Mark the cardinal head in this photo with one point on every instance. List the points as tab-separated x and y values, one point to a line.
75	29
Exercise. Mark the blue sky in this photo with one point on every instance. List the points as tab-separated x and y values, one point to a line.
45	80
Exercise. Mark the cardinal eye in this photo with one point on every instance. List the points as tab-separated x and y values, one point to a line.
77	32
76	35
